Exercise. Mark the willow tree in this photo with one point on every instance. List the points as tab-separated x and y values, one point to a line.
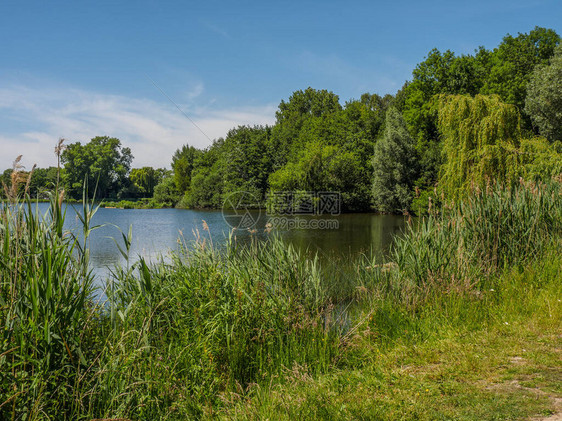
481	140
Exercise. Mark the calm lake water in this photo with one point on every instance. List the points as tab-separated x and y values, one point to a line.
156	232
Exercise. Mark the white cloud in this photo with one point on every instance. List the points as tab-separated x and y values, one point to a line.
33	119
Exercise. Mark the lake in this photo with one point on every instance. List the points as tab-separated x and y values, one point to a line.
157	231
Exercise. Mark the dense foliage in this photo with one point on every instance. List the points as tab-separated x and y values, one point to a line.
481	135
103	163
144	180
495	114
395	166
483	142
544	98
316	144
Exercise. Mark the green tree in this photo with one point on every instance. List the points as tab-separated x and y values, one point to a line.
541	159
332	150
394	165
246	161
207	179
325	168
512	63
439	73
504	71
291	115
42	179
102	162
544	98
481	137
145	179
183	163
166	191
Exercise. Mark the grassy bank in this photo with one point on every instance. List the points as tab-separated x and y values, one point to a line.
439	364
463	323
146	203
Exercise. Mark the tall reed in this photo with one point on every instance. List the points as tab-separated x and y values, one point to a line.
463	242
214	323
45	304
446	267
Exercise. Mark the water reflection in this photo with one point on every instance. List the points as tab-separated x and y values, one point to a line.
156	232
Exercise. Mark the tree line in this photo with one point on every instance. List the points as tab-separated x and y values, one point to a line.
462	121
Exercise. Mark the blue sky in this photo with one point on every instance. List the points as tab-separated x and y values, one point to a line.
80	69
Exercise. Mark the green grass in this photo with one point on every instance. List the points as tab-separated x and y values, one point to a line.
464	323
144	203
506	366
